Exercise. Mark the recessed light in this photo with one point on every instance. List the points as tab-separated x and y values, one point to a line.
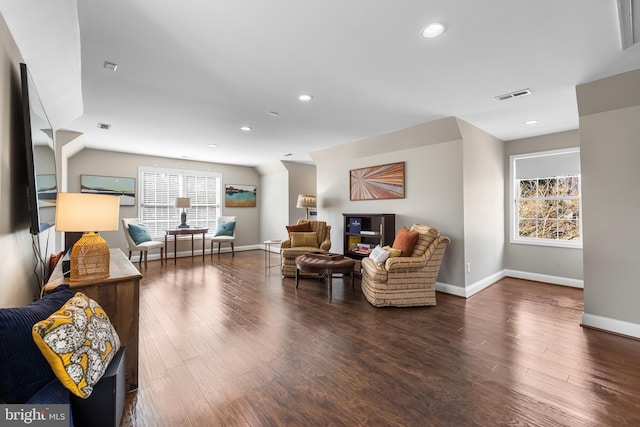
213	145
530	122
432	30
305	97
246	128
274	113
110	66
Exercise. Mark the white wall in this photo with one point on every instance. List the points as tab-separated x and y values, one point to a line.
109	163
563	264
483	189
302	180
19	284
274	184
432	153
610	152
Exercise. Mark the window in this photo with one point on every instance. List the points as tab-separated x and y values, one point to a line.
545	189
159	189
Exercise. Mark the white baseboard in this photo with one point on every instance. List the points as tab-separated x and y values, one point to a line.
197	252
450	289
546	278
472	289
611	325
478	286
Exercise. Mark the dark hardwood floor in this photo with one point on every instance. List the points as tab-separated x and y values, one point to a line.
230	343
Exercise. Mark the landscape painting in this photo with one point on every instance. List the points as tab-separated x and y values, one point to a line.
377	182
236	195
115	186
47	189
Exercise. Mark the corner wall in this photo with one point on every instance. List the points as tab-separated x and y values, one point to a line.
432	153
610	149
483	189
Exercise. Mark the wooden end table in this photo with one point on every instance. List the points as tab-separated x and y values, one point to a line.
175	232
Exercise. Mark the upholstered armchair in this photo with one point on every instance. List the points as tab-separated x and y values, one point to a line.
144	244
406	280
299	243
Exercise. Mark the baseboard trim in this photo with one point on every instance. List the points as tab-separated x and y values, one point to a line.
478	286
546	278
608	324
450	289
197	252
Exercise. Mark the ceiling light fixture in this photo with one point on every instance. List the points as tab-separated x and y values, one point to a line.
432	30
213	145
110	66
531	122
246	128
305	97
274	113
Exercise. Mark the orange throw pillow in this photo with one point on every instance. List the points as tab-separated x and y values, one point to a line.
405	241
304	227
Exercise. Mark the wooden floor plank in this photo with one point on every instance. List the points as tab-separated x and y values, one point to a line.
228	342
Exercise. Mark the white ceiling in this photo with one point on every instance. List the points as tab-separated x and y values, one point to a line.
191	73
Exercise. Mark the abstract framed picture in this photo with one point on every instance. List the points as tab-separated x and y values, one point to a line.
239	196
112	185
377	182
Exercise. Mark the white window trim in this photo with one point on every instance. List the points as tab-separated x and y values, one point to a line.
513	214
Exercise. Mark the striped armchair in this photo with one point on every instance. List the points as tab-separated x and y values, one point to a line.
406	281
288	254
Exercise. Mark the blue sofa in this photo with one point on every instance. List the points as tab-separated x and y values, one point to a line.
25	375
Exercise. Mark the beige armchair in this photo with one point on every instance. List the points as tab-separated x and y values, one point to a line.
288	253
406	281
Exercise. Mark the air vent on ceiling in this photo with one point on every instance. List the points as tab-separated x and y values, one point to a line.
516	94
104	126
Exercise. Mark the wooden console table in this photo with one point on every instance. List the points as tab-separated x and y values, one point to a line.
180	231
119	296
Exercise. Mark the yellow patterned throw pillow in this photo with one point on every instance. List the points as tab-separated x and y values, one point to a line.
78	341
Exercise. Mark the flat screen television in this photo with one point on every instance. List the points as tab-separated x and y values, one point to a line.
42	187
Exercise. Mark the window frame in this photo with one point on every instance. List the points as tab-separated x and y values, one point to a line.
157	232
514	192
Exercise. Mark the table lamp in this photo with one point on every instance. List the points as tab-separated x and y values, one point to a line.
88	213
306	201
184	203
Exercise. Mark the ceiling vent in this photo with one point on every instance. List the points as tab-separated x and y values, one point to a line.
629	14
516	94
104	126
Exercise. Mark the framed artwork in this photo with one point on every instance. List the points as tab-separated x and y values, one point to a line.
377	182
237	195
113	185
47	189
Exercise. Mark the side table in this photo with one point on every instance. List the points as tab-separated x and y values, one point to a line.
267	251
119	296
181	231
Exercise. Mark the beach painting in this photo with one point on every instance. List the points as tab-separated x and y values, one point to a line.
112	185
237	195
